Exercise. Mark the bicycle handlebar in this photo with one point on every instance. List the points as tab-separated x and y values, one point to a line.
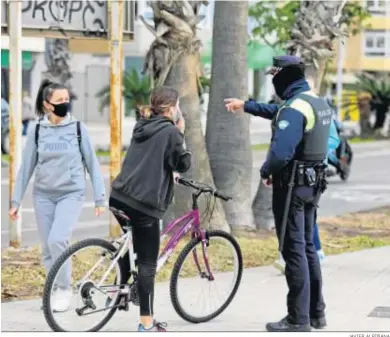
203	189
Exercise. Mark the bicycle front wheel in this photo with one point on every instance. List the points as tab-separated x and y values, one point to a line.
82	292
218	265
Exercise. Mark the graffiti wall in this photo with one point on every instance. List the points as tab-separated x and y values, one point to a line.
71	15
81	16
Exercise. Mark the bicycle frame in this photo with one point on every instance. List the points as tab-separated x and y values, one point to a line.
190	221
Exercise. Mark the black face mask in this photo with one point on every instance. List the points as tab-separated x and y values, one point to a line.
284	78
61	109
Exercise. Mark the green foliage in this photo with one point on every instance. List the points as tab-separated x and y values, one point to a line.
354	16
273	19
136	90
377	85
205	82
204	86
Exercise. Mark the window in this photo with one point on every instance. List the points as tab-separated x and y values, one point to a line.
130	15
377	7
377	42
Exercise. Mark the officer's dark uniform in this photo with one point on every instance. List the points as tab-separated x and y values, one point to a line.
300	131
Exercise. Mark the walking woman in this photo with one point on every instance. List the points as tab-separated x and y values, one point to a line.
59	149
144	187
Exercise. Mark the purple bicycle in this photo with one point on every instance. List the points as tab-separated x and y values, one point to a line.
101	287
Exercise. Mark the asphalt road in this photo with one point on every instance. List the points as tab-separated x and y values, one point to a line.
367	188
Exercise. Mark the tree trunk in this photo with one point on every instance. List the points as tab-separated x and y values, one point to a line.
262	207
183	78
380	113
256	84
227	135
365	111
57	58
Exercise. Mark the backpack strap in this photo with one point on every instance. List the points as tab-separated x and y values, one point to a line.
79	133
78	128
37	126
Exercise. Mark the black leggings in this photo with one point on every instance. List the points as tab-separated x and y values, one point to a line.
146	241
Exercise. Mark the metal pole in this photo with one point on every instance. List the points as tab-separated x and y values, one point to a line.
116	49
15	120
339	84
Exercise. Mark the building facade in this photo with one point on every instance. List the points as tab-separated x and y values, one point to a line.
370	50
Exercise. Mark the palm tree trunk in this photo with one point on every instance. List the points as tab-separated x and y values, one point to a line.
227	135
57	58
315	76
173	60
183	77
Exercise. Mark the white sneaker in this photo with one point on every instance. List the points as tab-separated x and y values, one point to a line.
280	264
61	300
321	255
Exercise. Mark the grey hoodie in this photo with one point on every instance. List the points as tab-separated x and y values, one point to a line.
59	163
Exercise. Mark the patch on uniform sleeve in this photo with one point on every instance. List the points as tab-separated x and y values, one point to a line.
283	124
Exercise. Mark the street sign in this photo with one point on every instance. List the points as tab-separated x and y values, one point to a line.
68	19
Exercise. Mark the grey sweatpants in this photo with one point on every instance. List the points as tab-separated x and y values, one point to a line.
56	218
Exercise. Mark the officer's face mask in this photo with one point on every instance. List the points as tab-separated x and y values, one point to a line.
285	77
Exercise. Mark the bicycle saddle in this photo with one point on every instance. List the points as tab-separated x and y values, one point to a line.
119	213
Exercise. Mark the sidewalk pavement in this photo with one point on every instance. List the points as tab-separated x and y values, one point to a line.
354	284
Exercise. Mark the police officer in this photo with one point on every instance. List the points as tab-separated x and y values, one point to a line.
300	131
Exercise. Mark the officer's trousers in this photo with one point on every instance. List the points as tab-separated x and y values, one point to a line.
303	271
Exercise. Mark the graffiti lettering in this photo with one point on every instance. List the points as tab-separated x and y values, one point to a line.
75	6
35	6
86	16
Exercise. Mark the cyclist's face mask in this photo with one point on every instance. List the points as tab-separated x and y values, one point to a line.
285	77
175	112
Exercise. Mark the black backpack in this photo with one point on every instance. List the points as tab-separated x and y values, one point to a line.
78	135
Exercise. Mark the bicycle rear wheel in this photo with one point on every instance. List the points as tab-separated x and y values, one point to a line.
87	270
188	266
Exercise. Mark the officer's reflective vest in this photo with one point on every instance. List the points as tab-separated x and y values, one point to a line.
318	116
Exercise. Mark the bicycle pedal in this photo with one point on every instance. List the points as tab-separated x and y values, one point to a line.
123	304
134	296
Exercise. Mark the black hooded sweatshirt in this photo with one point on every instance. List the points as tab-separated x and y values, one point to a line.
145	182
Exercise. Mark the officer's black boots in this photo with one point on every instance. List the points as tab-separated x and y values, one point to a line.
285	326
318	323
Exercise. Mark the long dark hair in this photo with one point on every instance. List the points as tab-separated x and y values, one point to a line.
161	99
45	92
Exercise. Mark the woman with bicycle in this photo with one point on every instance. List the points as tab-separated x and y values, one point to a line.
59	149
144	187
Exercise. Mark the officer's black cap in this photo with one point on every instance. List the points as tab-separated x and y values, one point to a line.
280	62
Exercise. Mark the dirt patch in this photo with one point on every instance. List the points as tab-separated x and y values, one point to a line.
23	275
375	223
